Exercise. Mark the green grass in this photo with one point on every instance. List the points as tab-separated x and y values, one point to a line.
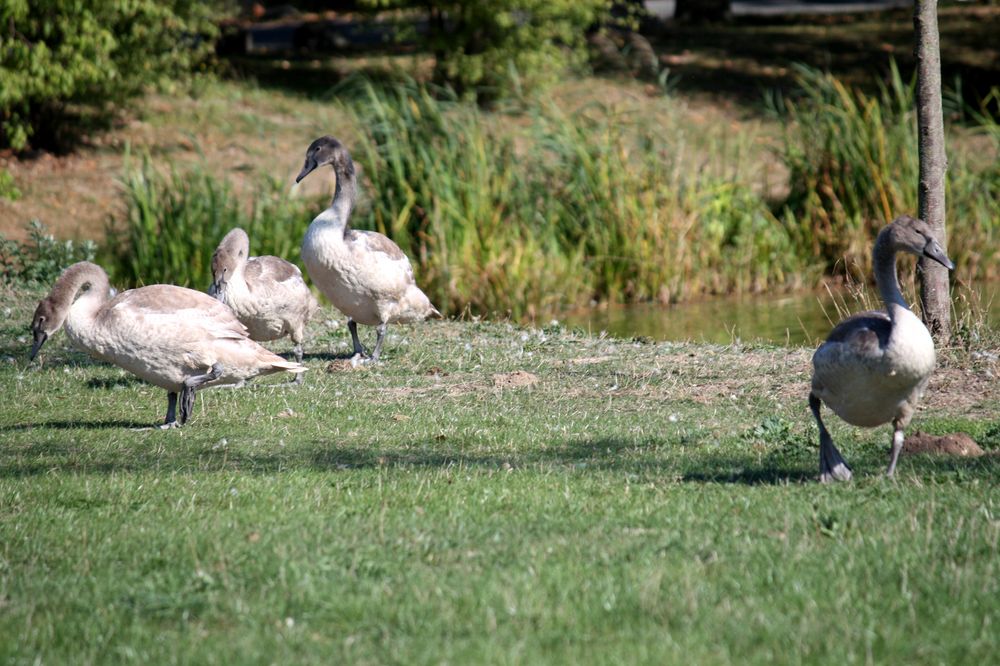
640	504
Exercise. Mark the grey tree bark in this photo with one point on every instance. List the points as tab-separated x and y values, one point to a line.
935	298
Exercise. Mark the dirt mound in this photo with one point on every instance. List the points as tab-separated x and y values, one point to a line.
345	365
955	444
516	379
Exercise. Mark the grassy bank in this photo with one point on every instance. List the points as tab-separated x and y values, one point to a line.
622	503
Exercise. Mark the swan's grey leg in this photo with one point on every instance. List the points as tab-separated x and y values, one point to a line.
380	333
832	466
352	326
191	384
897	446
171	420
299	376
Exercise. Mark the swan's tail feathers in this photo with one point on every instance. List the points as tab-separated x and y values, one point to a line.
288	366
436	313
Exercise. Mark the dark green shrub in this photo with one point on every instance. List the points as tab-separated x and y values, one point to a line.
499	47
65	60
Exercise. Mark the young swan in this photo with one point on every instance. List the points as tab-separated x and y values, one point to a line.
874	366
363	273
267	293
175	338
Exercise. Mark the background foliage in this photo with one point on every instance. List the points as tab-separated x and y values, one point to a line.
494	47
63	61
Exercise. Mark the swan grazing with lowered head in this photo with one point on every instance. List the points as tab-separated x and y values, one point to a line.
363	273
267	293
874	366
178	339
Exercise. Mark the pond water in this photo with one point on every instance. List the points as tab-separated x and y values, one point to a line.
794	319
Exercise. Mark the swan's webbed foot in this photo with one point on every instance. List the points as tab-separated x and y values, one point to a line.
191	384
832	466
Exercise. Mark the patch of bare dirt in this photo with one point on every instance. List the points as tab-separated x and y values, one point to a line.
516	379
345	365
953	444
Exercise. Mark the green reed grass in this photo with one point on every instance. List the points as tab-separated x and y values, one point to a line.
174	221
560	210
853	160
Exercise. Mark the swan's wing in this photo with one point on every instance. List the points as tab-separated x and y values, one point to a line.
382	249
261	271
178	314
864	333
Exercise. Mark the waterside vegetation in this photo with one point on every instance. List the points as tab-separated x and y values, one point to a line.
537	212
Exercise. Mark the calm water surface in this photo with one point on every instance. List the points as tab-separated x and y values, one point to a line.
794	319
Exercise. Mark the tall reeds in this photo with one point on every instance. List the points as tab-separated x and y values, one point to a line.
533	213
854	165
174	220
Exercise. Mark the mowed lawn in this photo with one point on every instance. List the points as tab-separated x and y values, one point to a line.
489	494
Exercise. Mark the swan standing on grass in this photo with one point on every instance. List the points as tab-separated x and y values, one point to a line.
874	366
267	293
178	339
363	273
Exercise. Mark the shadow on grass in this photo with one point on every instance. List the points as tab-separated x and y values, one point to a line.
107	383
648	459
743	57
72	425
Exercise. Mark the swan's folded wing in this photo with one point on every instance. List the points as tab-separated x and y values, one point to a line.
173	314
865	332
262	272
382	250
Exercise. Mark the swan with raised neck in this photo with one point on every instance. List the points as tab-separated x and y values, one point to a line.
363	273
176	338
874	366
267	293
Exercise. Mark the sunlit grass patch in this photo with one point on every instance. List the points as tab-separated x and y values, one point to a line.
637	503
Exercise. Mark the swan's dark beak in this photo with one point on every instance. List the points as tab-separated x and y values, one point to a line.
310	165
934	251
40	338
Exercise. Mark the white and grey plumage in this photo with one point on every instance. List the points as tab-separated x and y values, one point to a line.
267	293
874	366
175	338
364	274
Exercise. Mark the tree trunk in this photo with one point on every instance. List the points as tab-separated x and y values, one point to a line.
935	299
701	10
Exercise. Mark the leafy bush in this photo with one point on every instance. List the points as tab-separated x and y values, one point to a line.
63	59
497	47
42	258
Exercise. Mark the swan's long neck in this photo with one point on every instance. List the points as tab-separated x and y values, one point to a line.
884	261
340	208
